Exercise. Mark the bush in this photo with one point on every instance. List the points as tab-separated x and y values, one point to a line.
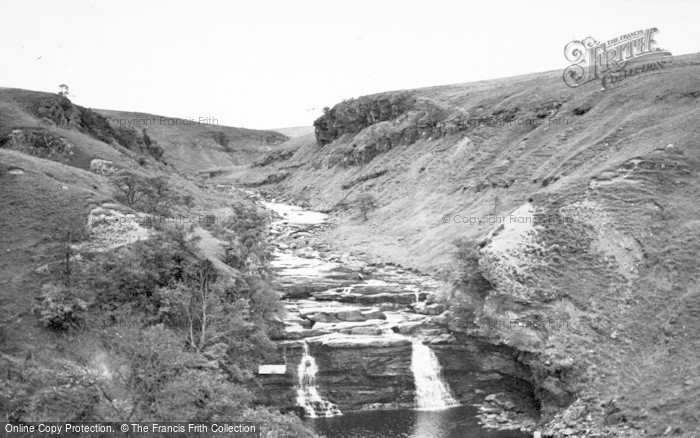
277	425
469	287
222	139
467	273
365	203
130	275
249	251
64	403
59	309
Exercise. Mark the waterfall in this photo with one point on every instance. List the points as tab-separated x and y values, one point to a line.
432	393
307	394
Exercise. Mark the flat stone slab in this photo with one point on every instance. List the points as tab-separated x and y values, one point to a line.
360	341
332	314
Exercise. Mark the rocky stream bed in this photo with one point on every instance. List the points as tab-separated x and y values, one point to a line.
359	321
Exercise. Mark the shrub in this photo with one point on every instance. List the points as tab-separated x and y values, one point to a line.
365	203
467	273
59	309
278	425
130	275
64	403
158	195
222	139
469	287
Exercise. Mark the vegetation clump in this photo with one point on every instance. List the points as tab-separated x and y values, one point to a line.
154	330
365	203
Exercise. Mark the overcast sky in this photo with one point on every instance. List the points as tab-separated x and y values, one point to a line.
269	64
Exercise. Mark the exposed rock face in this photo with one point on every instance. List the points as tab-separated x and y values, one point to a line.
362	370
59	110
354	115
39	142
515	311
103	167
470	365
365	370
374	124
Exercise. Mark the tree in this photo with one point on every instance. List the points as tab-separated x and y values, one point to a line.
152	147
196	307
189	202
146	138
365	203
64	90
132	188
69	236
158	194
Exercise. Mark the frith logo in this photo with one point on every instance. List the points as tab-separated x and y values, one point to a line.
613	61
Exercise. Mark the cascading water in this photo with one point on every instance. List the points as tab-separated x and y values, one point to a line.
307	394
432	393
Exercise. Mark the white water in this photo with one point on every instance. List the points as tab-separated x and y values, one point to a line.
307	394
296	215
432	393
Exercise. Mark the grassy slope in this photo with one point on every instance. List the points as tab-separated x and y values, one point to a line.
625	274
30	228
193	147
36	204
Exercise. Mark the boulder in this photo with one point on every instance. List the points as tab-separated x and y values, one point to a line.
322	317
304	333
444	318
373	313
350	315
407	328
369	331
332	314
443	339
433	309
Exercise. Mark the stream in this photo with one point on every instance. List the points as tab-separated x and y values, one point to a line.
361	351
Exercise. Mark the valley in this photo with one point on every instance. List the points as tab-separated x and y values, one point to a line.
496	258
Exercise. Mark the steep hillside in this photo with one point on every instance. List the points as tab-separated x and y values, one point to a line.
57	161
579	205
193	146
105	252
